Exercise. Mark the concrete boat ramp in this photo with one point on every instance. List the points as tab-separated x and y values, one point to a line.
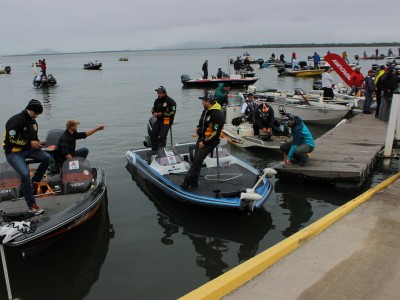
351	253
344	156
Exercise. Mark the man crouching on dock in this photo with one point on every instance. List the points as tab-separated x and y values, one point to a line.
302	143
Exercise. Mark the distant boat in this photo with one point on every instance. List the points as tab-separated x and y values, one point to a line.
92	66
123	59
43	81
300	73
234	80
5	70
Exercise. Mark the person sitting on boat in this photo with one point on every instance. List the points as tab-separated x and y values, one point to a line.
282	58
221	74
221	94
357	79
272	56
263	119
302	142
67	142
248	108
209	131
20	142
295	64
164	110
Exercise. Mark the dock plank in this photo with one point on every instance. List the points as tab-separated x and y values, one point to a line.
345	154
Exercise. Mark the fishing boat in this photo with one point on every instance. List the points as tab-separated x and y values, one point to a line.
92	66
300	73
225	181
69	197
234	80
123	59
5	70
239	131
44	81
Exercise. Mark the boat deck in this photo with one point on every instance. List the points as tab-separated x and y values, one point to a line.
344	156
230	182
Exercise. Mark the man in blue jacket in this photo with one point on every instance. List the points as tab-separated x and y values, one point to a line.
301	144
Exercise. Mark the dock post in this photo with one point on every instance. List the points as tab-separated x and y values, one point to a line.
393	119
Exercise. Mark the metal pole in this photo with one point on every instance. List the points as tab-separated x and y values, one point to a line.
216	151
3	260
394	115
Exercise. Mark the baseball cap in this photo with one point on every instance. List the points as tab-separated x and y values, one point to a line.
208	97
161	89
71	123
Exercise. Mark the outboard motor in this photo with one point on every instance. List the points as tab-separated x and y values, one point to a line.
10	182
7	69
356	57
147	139
281	70
184	78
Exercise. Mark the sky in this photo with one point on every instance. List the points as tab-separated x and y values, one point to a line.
106	25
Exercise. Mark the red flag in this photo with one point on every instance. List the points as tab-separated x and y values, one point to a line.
340	66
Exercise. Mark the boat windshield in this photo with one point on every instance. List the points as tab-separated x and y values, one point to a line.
234	99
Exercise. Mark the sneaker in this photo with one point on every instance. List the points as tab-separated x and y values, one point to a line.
36	209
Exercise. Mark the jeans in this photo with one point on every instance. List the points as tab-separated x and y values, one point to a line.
368	101
83	152
300	152
192	176
17	161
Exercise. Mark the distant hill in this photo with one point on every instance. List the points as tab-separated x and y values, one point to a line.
46	51
197	45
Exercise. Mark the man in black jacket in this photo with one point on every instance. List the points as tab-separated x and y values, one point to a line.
164	110
209	131
67	142
264	120
20	142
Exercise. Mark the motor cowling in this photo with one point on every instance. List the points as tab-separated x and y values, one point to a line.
185	77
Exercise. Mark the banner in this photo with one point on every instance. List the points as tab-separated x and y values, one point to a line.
340	66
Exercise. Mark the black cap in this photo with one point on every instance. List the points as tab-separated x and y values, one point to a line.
35	106
227	84
208	97
161	89
250	94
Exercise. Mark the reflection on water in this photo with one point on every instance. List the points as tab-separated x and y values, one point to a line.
64	268
213	232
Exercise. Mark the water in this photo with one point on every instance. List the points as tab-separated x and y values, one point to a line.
160	249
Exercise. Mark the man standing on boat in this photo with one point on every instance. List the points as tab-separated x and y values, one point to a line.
43	66
357	79
164	110
316	59
67	142
20	142
238	65
248	108
327	84
205	69
209	131
301	144
221	94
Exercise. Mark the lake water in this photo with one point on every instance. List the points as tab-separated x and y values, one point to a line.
156	248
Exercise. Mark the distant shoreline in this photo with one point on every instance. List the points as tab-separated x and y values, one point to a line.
304	45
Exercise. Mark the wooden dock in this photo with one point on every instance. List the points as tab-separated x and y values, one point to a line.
344	156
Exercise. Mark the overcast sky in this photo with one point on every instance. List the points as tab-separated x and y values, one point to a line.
96	25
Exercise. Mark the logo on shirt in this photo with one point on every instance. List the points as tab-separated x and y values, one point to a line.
35	127
164	104
208	118
12	132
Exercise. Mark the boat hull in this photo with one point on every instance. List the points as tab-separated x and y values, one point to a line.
204	83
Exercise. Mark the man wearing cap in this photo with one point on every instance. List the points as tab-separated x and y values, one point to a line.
264	119
221	94
390	81
164	110
301	144
249	107
67	143
238	65
327	84
209	131
357	79
20	142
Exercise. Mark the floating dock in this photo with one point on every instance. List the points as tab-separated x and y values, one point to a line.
344	156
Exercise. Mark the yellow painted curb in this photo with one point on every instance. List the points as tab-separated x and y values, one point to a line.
239	275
